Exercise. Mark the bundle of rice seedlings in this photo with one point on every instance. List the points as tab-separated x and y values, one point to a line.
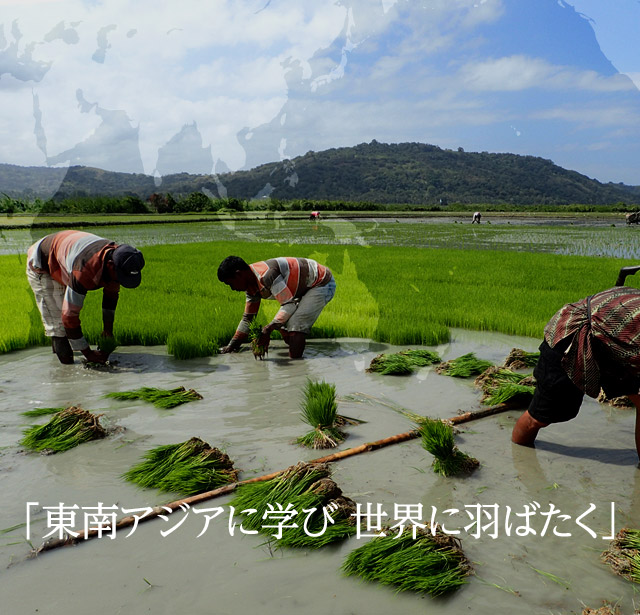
187	468
107	344
500	385
623	554
255	331
66	429
304	486
464	366
403	362
320	410
605	609
41	411
431	563
519	359
437	439
616	402
161	398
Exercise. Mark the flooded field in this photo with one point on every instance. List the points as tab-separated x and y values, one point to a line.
251	410
580	235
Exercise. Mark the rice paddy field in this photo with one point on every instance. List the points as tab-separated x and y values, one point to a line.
400	285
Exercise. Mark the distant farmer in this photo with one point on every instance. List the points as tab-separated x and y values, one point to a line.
61	268
588	345
314	215
301	285
476	217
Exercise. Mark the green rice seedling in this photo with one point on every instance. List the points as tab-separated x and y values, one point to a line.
305	486
65	430
420	357
464	366
403	362
520	359
161	398
437	439
41	411
520	394
107	344
255	331
431	563
320	410
395	364
501	385
623	554
191	345
187	468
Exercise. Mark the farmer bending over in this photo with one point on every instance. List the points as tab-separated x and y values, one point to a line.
301	285
588	345
61	268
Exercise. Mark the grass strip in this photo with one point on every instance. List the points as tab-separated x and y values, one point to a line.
161	398
65	430
464	366
302	487
432	564
623	554
187	468
437	439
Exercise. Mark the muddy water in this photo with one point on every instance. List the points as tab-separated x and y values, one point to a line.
251	409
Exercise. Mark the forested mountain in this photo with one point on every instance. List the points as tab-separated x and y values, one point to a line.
375	172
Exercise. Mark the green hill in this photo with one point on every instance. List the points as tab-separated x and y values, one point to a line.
375	172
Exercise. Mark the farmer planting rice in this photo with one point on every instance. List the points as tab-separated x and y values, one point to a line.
61	268
588	345
301	285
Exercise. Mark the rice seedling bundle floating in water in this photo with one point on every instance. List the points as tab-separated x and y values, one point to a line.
161	398
464	366
519	359
187	468
304	486
65	430
605	609
437	439
623	554
431	563
403	362
41	411
617	402
320	410
501	385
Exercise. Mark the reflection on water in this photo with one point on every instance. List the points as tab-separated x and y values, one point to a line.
607	237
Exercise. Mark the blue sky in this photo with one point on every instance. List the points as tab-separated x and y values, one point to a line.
210	85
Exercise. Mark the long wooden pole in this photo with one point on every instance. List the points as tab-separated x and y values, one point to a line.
208	495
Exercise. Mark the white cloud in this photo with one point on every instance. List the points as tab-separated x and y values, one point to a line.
518	72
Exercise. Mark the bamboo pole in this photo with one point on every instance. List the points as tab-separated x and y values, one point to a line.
208	495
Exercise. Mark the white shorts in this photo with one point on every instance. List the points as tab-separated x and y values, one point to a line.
309	308
49	297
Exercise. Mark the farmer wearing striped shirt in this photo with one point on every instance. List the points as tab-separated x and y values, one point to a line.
589	345
301	285
61	268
